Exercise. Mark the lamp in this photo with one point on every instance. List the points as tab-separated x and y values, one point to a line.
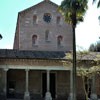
1	37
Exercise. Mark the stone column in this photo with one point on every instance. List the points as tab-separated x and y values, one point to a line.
48	94
71	86
93	95
5	82
27	95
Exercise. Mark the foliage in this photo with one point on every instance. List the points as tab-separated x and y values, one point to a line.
86	70
67	9
98	4
92	47
95	47
86	74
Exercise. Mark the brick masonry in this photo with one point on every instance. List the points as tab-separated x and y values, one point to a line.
26	29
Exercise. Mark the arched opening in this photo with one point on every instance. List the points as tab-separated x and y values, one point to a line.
34	39
58	20
47	35
34	19
59	40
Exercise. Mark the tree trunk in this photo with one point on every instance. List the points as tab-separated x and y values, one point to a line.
86	94
73	17
74	65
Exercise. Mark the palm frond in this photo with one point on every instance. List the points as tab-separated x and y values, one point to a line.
94	0
98	4
67	9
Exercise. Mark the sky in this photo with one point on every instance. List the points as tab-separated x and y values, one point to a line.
87	32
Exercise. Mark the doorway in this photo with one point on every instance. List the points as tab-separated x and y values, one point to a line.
11	84
52	84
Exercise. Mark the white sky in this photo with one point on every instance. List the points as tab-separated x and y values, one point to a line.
87	32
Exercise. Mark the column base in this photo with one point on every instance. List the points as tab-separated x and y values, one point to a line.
93	96
48	96
70	97
26	96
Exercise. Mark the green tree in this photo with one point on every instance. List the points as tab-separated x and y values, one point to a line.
84	59
95	47
73	11
87	74
92	48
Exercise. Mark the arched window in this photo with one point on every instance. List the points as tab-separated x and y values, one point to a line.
47	35
58	20
59	40
34	19
34	39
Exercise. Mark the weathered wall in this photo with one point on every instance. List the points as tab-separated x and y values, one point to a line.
63	83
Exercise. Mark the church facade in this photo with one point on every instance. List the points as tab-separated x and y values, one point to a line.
34	69
42	28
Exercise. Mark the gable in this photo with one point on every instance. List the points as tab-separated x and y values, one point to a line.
44	6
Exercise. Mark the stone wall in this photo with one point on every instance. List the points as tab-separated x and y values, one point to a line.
98	85
35	82
63	84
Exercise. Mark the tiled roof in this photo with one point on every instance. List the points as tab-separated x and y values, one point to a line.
24	54
10	53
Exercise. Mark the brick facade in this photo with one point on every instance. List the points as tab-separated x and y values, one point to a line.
26	28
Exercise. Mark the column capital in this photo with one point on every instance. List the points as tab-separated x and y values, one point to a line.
27	69
48	70
6	69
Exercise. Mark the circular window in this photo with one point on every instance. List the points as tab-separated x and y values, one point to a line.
47	17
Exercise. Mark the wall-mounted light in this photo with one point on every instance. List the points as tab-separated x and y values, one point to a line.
1	37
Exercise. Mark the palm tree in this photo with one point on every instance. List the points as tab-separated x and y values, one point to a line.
73	11
98	4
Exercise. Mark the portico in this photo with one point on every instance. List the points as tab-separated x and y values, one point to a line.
26	81
35	78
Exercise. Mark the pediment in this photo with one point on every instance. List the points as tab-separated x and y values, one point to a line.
41	5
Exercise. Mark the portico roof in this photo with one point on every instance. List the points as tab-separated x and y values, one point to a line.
31	54
23	54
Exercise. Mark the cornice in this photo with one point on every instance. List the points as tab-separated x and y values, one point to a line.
43	62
